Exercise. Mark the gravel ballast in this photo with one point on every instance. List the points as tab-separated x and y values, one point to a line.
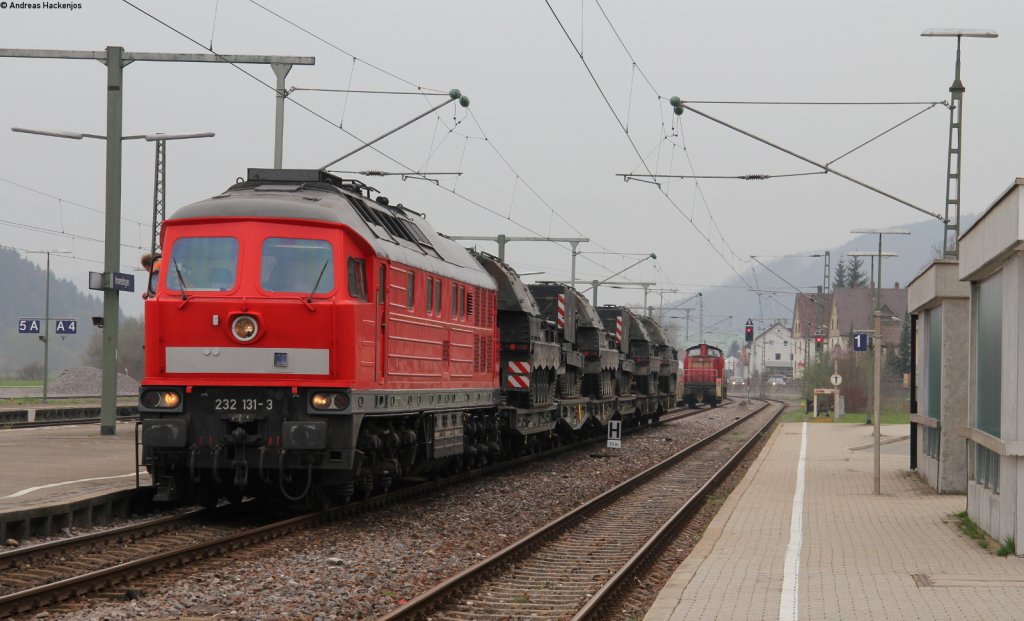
364	566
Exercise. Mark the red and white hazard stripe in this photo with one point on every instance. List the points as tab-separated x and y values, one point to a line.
518	381
518	368
561	310
618	328
518	374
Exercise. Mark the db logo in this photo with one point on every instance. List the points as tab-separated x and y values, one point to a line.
3	5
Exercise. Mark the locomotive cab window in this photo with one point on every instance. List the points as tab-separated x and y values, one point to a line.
455	301
202	264
430	295
410	291
296	266
357	278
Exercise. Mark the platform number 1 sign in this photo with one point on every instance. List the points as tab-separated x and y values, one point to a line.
615	434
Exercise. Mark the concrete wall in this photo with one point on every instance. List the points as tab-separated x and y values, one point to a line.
993	243
952	476
998	514
938	288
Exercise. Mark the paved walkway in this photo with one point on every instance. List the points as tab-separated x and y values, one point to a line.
853	555
52	465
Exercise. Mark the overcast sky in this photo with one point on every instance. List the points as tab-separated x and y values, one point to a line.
553	146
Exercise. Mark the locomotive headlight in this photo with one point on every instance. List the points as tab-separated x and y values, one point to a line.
245	328
329	401
160	399
171	400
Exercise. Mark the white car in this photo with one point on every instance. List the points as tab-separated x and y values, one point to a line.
776	380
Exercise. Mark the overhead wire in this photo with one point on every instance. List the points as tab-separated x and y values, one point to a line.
476	121
622	126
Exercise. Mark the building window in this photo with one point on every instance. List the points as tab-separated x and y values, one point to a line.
933	368
988	328
932	435
986	468
778	356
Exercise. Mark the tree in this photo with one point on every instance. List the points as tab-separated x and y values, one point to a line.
899	360
31	371
734	349
839	280
130	356
855	276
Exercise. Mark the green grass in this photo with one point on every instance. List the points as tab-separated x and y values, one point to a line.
889	417
1008	548
969	528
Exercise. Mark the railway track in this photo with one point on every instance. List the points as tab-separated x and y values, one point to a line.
62	423
570	568
44	575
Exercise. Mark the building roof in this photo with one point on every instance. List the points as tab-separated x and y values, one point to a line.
777	324
855	306
810	311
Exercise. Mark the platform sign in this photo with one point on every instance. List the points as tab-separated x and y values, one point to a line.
860	341
122	282
29	325
615	434
66	326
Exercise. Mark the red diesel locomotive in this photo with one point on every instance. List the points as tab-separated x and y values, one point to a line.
306	341
287	310
703	376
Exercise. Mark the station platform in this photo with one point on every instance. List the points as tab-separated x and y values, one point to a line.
814	542
69	466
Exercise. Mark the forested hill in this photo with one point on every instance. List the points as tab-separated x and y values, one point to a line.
22	294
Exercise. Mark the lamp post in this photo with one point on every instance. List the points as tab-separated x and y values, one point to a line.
108	389
954	156
45	338
878	352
